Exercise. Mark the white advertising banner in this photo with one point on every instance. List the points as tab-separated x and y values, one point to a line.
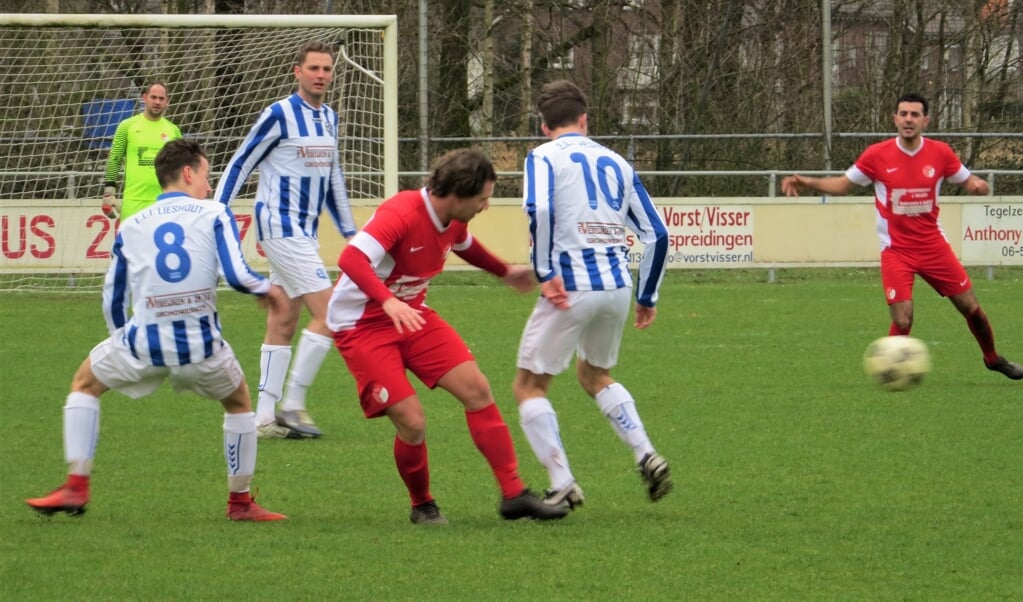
703	236
992	234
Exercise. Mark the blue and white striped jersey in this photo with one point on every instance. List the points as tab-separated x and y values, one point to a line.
580	197
296	150
167	260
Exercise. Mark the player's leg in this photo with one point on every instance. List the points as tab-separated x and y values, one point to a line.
967	305
411	458
619	407
314	343
439	357
897	275
540	425
599	344
546	348
275	353
220	377
902	318
81	431
300	270
240	443
274	359
373	357
108	366
486	426
949	279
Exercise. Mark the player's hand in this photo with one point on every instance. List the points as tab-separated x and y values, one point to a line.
793	185
275	300
554	291
111	204
977	185
644	316
520	278
403	316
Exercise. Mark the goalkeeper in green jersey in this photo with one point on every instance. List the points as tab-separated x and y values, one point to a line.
136	142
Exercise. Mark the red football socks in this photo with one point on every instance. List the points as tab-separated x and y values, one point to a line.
414	468
492	437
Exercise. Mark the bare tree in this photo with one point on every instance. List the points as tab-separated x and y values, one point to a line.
726	84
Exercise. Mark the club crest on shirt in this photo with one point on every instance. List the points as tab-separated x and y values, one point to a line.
324	122
929	171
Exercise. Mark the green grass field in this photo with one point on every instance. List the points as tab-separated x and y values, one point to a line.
796	478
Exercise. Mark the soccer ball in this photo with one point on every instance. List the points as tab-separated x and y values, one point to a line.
897	363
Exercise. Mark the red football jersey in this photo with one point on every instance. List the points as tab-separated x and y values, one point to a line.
407	245
906	189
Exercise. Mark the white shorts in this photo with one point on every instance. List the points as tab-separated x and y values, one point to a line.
215	378
295	265
591	327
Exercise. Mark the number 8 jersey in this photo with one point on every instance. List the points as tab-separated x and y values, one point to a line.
173	253
580	197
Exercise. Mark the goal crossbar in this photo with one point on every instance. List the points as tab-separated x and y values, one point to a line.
387	22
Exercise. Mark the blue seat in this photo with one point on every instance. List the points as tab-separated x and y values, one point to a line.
100	119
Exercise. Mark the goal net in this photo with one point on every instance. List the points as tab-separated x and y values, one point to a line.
66	81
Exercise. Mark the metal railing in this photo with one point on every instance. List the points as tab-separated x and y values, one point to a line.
772	177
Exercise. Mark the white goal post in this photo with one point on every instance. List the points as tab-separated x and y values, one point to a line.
66	81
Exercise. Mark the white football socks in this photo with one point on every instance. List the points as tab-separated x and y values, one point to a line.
273	368
617	404
312	348
81	431
240	450
540	425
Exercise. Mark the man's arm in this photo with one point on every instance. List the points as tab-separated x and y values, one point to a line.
337	195
115	288
263	137
537	205
111	205
117	150
358	267
337	203
519	278
648	225
233	267
481	257
833	185
975	185
356	264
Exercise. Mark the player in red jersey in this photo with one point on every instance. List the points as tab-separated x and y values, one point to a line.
382	327
907	172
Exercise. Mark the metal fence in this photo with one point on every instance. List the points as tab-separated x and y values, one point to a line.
752	182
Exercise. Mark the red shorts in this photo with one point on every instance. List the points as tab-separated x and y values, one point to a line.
939	267
378	356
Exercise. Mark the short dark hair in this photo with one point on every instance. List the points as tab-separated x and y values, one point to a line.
149	88
911	97
561	103
313	46
462	172
174	156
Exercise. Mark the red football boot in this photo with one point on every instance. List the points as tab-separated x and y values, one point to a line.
71	497
241	506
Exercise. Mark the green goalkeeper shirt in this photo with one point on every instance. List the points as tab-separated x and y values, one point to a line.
136	143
